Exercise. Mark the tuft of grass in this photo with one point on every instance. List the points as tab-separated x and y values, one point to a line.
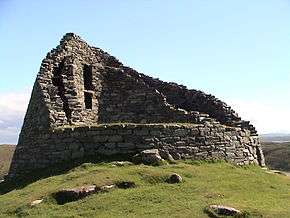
153	178
248	189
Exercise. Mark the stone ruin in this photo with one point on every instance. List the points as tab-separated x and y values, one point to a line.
86	103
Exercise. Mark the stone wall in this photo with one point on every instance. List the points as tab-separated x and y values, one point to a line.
128	99
182	141
117	96
64	96
194	100
119	93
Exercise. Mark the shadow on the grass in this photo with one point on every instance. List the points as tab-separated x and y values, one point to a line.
58	169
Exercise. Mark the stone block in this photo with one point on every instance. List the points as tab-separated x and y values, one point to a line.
100	138
115	138
180	132
127	145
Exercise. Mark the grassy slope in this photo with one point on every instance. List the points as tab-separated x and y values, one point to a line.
246	188
277	155
6	153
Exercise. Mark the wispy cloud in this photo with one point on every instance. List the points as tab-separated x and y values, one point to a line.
12	110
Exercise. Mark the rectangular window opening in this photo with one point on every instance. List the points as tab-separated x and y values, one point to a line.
88	100
88	77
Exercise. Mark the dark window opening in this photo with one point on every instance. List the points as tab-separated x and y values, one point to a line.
88	77
88	100
57	80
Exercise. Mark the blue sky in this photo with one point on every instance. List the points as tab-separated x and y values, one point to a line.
237	50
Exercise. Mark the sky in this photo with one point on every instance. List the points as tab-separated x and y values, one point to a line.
238	51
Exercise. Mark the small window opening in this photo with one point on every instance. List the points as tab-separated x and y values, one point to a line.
88	100
88	77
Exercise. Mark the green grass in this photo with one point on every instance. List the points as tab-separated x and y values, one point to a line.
6	153
249	189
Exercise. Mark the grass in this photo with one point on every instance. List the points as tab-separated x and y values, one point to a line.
6	153
249	189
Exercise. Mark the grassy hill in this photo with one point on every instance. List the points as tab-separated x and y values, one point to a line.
277	155
272	137
6	153
250	189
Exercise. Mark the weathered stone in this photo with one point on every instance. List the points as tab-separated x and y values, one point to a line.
224	210
128	145
105	188
125	184
85	103
36	202
175	154
115	138
68	195
150	156
165	155
174	178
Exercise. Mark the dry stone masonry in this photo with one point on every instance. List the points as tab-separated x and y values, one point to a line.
85	103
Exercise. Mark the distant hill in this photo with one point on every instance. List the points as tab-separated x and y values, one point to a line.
277	155
6	153
275	137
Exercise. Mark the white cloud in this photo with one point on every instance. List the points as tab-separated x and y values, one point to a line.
266	116
12	110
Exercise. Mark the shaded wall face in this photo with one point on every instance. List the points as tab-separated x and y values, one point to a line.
36	118
181	141
193	100
128	99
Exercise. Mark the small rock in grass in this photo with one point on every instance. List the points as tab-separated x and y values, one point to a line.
105	188
121	163
125	184
174	178
33	203
223	210
68	195
150	156
165	155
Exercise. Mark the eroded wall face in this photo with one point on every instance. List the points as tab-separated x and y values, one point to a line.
194	100
84	86
117	93
129	100
74	93
70	100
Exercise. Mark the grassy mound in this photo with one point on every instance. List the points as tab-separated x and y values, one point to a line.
249	189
